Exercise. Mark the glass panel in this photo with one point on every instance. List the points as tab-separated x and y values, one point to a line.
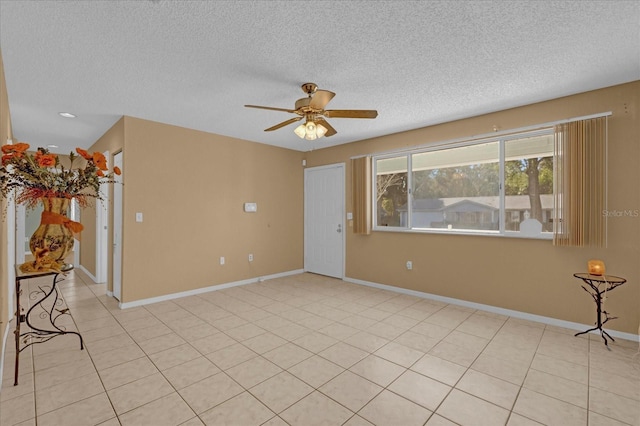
457	188
391	191
528	182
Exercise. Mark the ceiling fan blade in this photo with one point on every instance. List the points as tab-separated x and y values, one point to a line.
271	108
351	113
330	130
284	123
321	98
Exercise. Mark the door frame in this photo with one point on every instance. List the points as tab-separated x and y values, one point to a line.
341	167
102	237
118	207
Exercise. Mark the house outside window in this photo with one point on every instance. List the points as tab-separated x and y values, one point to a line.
494	186
391	190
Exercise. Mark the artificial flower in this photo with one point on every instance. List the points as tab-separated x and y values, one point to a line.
84	154
100	160
30	177
45	160
17	148
13	151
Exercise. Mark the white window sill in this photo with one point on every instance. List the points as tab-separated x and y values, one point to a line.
507	234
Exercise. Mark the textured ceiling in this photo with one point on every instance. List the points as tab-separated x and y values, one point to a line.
196	63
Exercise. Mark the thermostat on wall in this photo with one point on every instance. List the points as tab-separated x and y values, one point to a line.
250	207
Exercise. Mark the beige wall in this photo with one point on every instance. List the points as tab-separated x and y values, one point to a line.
191	187
525	275
5	133
112	141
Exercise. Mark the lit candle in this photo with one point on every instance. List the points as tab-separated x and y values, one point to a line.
596	267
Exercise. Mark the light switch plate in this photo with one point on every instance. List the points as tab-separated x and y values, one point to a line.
138	217
250	207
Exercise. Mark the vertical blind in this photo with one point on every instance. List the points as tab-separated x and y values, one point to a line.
580	159
361	193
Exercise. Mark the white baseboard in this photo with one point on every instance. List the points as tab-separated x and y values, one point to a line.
493	309
196	291
89	274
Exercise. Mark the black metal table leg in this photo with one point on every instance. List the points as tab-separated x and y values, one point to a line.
594	282
50	306
41	335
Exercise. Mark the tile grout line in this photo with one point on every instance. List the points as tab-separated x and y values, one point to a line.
383	388
316	301
406	368
86	348
463	374
213	363
515	400
117	416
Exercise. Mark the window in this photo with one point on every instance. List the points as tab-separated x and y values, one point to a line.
528	181
456	188
501	186
391	191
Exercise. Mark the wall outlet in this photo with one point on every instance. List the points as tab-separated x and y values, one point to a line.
250	257
409	265
250	207
222	260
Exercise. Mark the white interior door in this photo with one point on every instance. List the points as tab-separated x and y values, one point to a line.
102	240
324	220
75	216
117	229
10	248
22	243
102	237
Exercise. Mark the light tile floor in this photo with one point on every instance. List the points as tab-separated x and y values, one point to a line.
309	350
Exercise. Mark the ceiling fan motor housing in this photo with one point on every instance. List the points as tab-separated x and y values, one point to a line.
303	103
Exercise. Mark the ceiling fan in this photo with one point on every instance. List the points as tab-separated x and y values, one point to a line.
311	109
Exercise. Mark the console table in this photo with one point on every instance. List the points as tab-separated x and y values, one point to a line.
594	282
49	307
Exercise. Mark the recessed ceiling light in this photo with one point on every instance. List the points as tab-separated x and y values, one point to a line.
52	146
66	115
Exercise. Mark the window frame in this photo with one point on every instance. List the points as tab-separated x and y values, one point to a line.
502	140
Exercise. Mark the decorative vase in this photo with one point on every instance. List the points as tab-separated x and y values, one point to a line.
55	233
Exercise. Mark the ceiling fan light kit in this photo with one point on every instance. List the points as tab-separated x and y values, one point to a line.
310	130
312	110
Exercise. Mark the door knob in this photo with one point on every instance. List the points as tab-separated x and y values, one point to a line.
339	228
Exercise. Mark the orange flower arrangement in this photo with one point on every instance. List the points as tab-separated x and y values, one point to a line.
42	175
